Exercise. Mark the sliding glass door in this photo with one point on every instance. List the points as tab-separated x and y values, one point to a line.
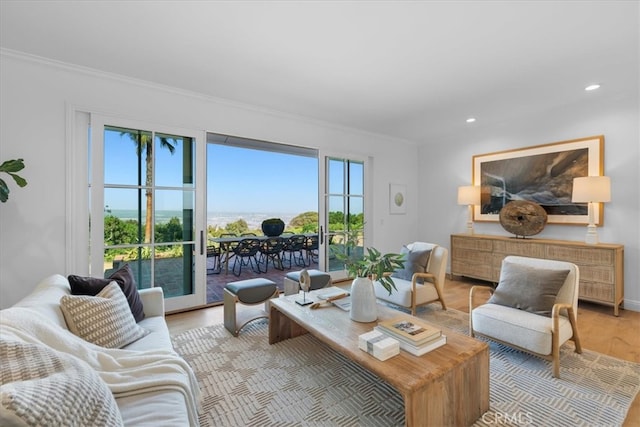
144	189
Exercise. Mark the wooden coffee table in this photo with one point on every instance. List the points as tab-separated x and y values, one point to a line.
447	386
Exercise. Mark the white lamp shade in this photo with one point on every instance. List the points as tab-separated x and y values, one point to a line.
591	189
469	195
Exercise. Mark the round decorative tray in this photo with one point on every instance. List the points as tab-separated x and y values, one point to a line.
523	218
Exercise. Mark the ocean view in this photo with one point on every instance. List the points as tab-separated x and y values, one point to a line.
220	219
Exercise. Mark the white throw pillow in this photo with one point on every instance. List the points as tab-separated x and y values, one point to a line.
44	387
104	319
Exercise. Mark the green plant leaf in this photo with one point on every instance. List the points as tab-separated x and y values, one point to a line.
4	191
372	263
18	179
10	167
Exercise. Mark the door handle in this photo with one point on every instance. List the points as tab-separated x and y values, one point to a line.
201	242
321	235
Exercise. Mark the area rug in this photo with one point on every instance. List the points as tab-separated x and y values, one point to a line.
302	382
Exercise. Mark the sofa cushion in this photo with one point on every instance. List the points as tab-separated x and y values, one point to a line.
416	260
45	298
402	295
523	329
41	386
528	288
104	320
124	277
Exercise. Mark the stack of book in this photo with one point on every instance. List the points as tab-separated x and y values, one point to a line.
414	336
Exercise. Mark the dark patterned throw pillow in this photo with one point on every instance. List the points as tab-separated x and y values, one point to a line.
81	285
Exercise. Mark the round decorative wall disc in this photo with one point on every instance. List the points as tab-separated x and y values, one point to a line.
523	218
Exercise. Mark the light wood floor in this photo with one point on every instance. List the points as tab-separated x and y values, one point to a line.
599	329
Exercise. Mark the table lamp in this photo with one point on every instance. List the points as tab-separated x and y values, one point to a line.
469	195
591	190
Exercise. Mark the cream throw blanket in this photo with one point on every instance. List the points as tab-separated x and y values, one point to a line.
126	372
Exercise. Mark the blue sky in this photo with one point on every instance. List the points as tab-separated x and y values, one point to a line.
245	180
238	180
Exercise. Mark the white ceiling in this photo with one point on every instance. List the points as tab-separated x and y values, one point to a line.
409	69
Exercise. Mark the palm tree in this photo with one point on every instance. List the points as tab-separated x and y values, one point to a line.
144	142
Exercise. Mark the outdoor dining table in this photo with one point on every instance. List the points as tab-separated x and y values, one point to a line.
236	239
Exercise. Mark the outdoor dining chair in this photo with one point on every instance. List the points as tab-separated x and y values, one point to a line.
311	246
292	252
246	255
213	253
270	249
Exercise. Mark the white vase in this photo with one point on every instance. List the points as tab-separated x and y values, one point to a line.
363	301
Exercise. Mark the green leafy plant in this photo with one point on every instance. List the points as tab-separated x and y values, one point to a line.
10	167
369	262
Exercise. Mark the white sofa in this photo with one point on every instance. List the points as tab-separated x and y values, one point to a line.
152	385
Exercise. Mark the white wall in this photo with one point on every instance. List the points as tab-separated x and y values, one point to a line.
449	166
35	96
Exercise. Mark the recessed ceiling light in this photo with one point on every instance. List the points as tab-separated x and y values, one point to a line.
592	87
471	119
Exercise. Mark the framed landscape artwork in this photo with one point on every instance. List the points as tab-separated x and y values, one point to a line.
542	174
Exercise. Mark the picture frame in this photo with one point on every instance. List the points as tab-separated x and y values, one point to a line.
397	199
542	174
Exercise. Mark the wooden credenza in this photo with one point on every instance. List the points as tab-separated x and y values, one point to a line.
601	266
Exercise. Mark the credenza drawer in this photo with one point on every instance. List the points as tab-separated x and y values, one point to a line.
581	256
477	271
478	245
596	291
517	248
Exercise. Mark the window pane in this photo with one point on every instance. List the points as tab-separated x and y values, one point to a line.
138	258
336	213
124	219
336	176
174	216
356	216
122	164
174	270
174	161
356	178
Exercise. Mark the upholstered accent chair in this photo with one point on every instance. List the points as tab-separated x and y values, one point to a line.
534	307
421	281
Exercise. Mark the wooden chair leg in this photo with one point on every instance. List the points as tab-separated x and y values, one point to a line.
555	345
574	328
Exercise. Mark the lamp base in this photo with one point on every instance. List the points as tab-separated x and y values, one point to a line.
470	219
592	235
470	227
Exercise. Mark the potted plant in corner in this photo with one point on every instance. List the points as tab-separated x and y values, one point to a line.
366	265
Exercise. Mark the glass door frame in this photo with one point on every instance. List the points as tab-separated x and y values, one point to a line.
96	161
323	214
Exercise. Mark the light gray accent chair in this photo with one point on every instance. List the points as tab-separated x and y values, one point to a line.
539	334
424	287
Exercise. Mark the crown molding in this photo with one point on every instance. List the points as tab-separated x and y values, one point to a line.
92	72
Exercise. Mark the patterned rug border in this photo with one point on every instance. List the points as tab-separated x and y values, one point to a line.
246	381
